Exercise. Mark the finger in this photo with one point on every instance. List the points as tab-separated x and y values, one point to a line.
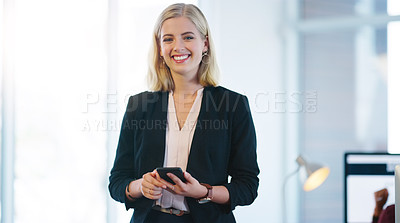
149	178
158	178
166	183
174	178
189	177
152	187
154	173
168	186
148	188
174	189
151	194
153	197
154	192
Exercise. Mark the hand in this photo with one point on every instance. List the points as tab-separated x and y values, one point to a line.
192	187
151	187
381	197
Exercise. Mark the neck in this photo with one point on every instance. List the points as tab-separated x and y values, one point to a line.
184	85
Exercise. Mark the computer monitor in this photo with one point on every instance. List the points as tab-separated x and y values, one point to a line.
366	173
397	194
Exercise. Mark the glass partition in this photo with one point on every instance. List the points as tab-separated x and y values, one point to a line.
60	153
325	9
348	66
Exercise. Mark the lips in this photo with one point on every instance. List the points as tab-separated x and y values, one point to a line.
180	58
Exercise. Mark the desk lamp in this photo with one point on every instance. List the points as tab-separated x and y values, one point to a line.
312	176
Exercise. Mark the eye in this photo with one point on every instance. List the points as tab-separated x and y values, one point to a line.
188	37
167	40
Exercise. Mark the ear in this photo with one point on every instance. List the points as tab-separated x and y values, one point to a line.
205	48
159	48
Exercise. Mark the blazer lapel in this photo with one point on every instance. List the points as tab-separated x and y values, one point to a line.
200	128
157	130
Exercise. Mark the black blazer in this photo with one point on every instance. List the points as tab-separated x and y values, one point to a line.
224	144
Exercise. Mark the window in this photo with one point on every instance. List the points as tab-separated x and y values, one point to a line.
346	52
60	60
75	63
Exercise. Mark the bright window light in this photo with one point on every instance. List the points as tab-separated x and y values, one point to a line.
61	91
60	55
393	52
393	86
393	7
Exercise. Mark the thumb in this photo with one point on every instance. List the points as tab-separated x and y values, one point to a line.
189	177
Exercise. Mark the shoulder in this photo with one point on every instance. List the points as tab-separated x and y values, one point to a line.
147	94
223	94
145	99
223	98
221	91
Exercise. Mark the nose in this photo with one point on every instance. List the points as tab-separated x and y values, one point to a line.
179	45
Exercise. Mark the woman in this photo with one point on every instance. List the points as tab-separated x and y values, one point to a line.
187	122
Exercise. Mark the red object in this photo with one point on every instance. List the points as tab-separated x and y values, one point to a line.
387	215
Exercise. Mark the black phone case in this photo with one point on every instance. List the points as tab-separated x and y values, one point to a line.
177	171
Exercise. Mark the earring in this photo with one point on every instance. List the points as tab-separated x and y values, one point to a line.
205	55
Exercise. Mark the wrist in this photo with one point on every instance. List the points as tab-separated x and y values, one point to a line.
208	197
377	211
128	191
204	192
132	190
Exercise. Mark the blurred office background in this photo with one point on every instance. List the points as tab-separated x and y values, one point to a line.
319	74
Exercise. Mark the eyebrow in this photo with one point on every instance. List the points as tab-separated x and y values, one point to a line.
185	33
167	35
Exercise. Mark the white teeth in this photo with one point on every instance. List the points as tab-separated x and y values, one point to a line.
181	57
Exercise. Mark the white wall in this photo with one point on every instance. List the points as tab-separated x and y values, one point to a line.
248	41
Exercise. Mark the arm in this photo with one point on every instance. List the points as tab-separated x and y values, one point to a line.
125	185
220	195
134	190
122	172
380	200
243	167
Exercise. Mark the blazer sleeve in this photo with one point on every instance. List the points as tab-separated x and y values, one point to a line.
243	167
123	171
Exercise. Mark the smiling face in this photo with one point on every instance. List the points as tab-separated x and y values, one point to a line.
182	46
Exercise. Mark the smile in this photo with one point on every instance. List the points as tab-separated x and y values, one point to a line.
180	58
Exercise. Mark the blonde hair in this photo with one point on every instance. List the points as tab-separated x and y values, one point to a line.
159	75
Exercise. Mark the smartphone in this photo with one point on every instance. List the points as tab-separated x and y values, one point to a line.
177	171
